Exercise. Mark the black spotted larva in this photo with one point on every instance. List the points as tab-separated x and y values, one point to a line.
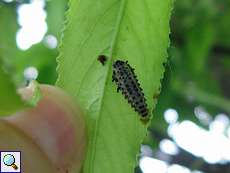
127	83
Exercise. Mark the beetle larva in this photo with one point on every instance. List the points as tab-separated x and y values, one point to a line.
127	83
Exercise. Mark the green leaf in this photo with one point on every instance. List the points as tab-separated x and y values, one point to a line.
136	31
42	58
39	55
8	29
10	101
55	16
37	95
199	41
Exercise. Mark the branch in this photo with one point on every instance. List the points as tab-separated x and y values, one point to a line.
192	91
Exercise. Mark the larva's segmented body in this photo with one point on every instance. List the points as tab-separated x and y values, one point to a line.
127	83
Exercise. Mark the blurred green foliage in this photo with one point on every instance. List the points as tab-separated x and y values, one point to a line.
39	55
198	71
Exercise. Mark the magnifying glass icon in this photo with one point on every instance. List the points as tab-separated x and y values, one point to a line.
9	160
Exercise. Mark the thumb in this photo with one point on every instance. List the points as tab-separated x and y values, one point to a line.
50	136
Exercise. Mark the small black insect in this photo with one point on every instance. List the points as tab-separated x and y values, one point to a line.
102	59
127	83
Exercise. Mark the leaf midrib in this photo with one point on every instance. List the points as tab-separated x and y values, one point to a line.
112	46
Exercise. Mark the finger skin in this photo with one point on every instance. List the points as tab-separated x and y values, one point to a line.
56	125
